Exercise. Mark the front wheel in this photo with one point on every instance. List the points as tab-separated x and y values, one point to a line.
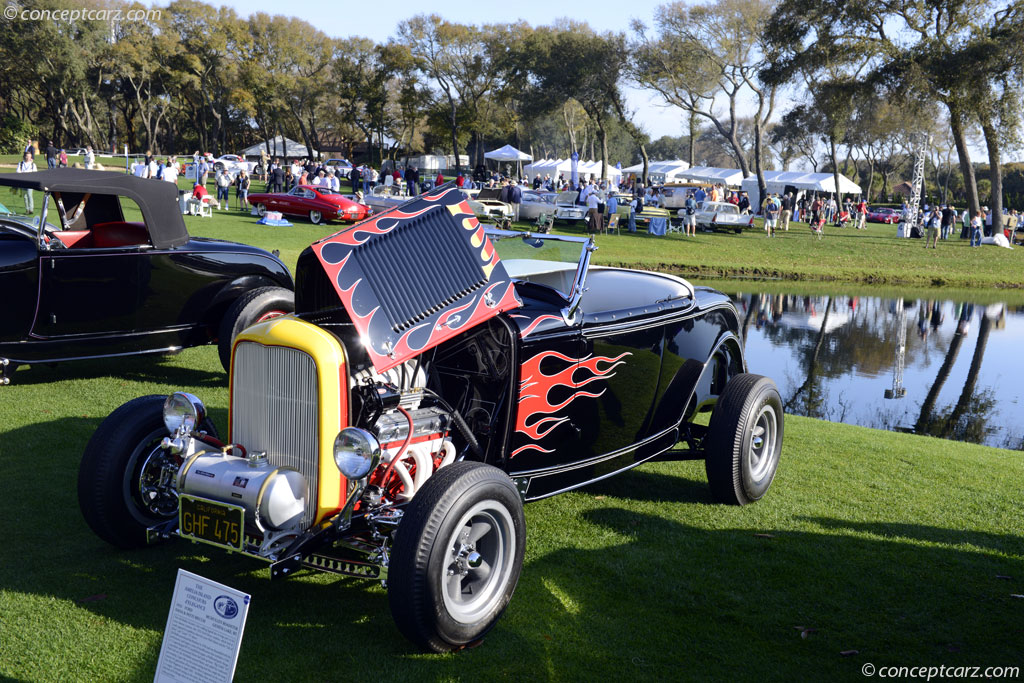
122	487
255	306
457	556
261	210
744	440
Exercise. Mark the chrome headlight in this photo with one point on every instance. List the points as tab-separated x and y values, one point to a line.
356	452
183	412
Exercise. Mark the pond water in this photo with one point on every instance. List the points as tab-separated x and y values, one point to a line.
930	366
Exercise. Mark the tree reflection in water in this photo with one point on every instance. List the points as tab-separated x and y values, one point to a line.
833	357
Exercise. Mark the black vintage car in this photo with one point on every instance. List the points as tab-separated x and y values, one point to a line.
435	377
83	282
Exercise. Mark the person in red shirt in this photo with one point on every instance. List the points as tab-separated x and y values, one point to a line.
439	180
199	193
862	213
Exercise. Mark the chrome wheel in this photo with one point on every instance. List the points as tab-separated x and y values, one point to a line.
153	490
261	209
479	562
761	451
315	217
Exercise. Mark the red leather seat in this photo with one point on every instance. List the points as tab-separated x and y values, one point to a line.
119	234
76	239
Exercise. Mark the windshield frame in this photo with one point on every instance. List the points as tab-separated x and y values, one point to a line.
587	247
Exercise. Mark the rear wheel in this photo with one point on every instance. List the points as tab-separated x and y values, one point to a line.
315	217
457	556
255	306
121	487
744	440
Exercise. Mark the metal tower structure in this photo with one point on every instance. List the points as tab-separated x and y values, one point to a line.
898	390
920	142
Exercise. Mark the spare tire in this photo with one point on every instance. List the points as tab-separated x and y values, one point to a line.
253	307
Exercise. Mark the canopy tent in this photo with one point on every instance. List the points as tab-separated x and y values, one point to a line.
278	147
659	171
730	177
507	153
554	167
797	182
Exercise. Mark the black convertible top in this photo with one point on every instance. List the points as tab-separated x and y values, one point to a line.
158	200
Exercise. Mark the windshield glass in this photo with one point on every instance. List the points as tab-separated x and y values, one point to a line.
533	257
326	190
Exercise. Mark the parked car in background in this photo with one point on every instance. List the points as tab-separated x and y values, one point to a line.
674	194
535	203
486	204
319	204
566	208
435	377
384	197
720	216
646	214
884	215
85	282
341	167
232	163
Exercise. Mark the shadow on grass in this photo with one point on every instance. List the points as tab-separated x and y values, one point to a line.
147	368
644	485
1012	544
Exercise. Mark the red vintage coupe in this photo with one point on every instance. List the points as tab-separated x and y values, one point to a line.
318	203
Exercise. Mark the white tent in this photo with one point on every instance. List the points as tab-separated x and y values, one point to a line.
278	147
797	182
659	171
554	167
730	177
508	153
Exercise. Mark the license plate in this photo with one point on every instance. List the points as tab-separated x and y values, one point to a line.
211	522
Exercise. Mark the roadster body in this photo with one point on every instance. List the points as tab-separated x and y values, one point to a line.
434	377
317	203
83	282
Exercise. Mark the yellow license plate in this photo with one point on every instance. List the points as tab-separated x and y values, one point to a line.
209	521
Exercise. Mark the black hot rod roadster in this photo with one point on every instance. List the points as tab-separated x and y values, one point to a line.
84	282
434	377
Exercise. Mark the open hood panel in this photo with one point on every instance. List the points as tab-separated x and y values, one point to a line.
415	276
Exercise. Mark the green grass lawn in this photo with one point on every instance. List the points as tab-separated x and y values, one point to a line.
906	549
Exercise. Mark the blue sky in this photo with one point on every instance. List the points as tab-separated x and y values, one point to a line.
379	20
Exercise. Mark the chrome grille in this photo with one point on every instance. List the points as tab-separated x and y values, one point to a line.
274	408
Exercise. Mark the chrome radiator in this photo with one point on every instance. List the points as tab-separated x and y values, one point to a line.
274	408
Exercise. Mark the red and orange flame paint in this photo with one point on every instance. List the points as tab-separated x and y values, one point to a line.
537	414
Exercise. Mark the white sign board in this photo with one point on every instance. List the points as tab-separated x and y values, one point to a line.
203	633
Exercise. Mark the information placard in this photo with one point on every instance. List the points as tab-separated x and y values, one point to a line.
203	633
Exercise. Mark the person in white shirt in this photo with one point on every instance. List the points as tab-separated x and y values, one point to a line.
138	169
152	168
90	157
593	217
296	169
335	183
171	173
27	165
388	182
320	179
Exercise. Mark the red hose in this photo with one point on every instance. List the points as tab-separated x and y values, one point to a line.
401	451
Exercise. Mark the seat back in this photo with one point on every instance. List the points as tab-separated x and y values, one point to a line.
119	234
